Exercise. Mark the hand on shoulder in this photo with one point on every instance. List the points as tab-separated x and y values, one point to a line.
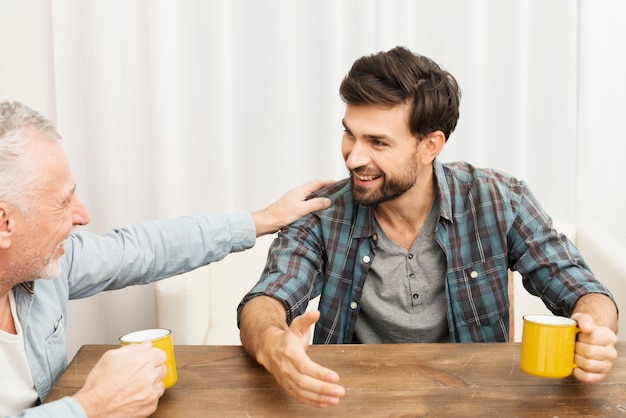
290	207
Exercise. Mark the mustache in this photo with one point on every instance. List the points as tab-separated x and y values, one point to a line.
364	171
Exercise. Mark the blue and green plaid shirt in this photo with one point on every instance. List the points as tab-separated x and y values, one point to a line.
489	222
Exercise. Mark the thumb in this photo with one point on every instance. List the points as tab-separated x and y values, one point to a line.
585	322
302	324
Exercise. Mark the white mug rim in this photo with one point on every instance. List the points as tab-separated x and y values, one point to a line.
144	335
551	320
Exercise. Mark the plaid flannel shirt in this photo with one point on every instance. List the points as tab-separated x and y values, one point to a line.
489	222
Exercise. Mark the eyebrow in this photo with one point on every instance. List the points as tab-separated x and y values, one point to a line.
68	196
370	136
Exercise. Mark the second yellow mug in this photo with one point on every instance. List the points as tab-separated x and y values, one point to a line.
160	338
548	344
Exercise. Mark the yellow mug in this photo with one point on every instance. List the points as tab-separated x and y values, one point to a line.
160	338
548	344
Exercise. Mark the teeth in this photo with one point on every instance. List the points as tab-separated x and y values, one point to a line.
367	178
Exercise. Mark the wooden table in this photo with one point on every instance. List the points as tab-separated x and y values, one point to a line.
390	380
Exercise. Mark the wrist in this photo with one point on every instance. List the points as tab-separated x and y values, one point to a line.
269	342
89	405
263	223
601	308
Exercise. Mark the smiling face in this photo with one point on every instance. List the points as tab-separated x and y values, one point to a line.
37	238
383	156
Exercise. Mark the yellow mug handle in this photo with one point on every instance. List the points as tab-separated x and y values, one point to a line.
577	332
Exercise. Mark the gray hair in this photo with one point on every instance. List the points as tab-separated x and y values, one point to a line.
19	124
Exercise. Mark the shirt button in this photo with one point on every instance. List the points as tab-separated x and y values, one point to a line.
410	256
353	305
412	276
366	259
415	296
473	274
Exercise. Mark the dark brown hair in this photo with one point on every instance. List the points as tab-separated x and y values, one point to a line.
399	76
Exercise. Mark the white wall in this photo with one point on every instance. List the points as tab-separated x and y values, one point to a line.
27	75
26	65
601	193
170	108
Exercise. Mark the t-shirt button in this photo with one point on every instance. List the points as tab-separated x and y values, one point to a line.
353	305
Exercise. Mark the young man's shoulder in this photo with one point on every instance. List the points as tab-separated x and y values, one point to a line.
467	171
465	175
335	190
340	195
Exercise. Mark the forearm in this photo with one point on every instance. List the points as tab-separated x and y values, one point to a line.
142	253
600	307
261	318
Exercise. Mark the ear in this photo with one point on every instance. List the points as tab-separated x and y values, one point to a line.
6	226
431	145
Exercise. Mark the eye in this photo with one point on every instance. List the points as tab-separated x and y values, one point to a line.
378	143
68	200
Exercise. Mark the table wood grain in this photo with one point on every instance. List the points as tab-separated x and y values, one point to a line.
382	380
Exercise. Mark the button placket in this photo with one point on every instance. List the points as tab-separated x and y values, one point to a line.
411	278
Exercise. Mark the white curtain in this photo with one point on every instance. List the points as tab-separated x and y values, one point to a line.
172	107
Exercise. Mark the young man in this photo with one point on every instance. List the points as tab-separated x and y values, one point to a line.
413	250
43	264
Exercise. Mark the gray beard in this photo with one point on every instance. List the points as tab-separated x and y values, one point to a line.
26	273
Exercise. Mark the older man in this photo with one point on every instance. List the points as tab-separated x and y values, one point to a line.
44	263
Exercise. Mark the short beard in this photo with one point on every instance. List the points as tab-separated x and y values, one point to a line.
390	189
29	272
51	270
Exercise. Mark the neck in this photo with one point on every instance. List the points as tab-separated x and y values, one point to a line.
402	218
411	207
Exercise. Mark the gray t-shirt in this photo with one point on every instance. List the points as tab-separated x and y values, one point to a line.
404	297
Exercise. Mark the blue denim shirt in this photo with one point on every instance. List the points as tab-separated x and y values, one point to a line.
136	254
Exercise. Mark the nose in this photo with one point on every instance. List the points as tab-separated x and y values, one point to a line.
80	215
356	155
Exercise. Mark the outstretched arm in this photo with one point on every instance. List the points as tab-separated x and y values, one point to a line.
282	351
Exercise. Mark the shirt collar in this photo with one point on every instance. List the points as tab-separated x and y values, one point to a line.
29	287
445	199
364	222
